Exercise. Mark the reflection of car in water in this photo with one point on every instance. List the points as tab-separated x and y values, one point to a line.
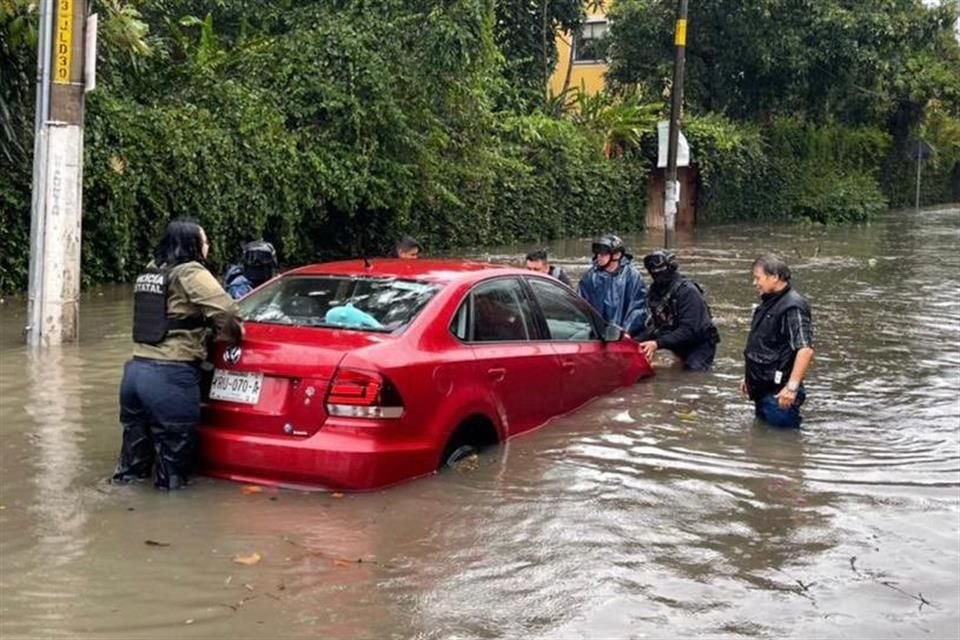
357	377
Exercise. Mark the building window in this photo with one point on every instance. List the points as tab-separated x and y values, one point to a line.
589	44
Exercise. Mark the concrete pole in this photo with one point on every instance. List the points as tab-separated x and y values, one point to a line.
53	309
671	195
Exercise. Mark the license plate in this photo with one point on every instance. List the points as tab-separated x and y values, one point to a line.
236	386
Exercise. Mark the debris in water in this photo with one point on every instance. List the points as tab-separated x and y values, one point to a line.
154	543
251	489
251	559
336	494
469	464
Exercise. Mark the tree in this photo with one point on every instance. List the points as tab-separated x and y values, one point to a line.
526	32
859	62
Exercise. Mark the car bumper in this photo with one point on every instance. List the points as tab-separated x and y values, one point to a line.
357	461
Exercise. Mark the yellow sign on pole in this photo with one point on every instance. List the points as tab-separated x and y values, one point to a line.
680	38
63	43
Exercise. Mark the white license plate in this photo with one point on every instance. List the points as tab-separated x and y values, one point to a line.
236	386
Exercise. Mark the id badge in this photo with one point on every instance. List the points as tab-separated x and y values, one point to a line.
777	377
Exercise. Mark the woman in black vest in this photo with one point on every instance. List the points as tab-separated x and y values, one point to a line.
780	345
177	301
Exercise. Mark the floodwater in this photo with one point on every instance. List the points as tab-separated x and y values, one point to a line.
661	511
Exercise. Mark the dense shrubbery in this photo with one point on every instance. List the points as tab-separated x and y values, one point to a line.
821	115
329	130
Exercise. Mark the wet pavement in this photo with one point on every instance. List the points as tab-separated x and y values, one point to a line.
662	510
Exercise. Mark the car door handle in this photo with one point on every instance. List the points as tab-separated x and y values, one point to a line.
497	374
569	366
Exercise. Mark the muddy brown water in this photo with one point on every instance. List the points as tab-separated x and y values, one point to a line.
661	510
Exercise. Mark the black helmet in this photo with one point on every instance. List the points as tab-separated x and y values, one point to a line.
660	260
259	262
609	243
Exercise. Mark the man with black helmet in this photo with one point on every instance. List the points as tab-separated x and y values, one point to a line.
614	287
678	316
259	264
780	345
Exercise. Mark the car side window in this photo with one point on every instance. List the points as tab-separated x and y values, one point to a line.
501	313
566	318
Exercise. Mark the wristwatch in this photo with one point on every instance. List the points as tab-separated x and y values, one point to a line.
793	387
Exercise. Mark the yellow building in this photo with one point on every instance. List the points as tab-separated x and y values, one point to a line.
588	65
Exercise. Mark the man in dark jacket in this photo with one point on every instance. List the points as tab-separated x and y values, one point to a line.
614	287
678	316
258	265
537	261
780	345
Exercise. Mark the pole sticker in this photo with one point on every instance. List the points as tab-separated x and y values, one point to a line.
63	45
680	37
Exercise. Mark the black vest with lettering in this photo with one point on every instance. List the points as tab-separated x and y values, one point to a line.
150	320
768	355
664	313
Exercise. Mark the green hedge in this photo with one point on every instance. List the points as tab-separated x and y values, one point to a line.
787	169
331	135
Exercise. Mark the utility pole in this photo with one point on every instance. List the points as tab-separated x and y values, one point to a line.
671	194
54	286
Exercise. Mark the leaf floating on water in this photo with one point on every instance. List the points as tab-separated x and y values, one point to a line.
342	563
154	543
250	489
686	416
189	621
249	560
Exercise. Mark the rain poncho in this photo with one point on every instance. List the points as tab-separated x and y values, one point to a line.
620	297
236	283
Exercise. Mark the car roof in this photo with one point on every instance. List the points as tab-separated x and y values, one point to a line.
430	270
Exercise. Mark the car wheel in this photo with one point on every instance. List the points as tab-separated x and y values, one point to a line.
458	454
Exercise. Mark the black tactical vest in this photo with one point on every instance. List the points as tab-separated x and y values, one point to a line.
150	320
663	313
768	355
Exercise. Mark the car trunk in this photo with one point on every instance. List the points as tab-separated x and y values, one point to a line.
277	384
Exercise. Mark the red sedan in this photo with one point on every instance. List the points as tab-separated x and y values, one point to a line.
355	375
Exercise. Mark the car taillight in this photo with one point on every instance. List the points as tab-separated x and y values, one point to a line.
355	393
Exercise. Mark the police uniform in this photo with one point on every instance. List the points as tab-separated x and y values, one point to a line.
782	325
174	312
680	321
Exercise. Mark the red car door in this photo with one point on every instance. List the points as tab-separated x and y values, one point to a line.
590	367
520	371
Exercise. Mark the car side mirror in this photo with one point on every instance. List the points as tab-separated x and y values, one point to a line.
612	333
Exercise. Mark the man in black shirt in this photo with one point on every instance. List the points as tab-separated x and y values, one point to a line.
679	318
780	345
537	261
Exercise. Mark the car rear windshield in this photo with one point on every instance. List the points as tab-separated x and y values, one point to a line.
351	302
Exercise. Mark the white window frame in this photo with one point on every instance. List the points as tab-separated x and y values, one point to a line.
591	23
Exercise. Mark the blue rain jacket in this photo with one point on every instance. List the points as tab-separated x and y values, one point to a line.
235	282
620	297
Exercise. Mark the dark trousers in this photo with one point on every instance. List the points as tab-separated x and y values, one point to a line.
159	413
768	410
701	357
